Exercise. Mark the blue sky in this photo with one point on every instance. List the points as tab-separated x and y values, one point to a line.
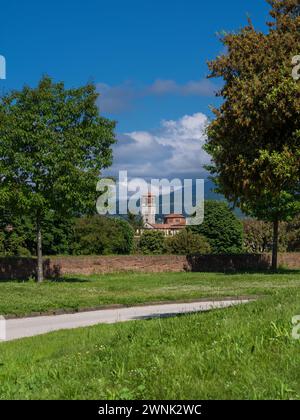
148	59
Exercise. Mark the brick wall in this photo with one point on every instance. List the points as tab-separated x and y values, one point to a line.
110	264
290	260
22	268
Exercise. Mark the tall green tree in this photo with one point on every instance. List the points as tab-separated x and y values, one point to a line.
254	138
53	146
221	227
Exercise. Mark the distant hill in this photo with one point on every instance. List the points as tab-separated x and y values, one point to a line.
209	194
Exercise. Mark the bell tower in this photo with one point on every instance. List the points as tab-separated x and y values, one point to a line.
149	208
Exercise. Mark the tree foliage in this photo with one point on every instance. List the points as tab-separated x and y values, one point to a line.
98	235
136	221
258	236
20	240
152	242
221	227
53	146
254	138
293	234
187	243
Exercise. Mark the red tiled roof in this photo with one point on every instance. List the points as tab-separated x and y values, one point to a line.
164	226
174	216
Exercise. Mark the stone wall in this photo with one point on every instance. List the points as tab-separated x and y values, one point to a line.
23	268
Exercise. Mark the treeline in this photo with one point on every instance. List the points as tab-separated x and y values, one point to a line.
220	233
258	236
89	235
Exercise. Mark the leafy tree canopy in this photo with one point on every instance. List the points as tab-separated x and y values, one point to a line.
254	138
221	227
152	242
187	243
53	146
98	235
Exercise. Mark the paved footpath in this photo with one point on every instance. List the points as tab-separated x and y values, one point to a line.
28	327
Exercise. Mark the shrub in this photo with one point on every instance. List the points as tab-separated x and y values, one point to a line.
127	237
21	241
223	230
12	244
98	235
186	243
293	235
258	236
152	242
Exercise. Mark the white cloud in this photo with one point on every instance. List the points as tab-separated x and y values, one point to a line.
174	150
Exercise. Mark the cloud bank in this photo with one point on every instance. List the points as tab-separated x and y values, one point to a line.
174	150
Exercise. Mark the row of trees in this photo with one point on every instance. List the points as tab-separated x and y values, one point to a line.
54	144
258	236
221	232
90	235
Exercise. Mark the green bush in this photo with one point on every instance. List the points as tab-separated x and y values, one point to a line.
152	242
187	243
13	244
2	243
86	235
98	235
293	235
21	241
258	236
223	230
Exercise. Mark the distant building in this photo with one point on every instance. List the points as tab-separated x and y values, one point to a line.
148	208
172	225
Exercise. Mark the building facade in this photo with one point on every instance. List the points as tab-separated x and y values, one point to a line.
173	223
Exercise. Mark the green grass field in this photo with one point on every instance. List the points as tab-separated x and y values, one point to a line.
244	352
17	298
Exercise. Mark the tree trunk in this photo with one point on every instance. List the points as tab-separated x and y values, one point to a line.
40	271
275	245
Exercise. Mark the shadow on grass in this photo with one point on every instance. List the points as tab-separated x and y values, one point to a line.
280	271
23	270
53	280
68	280
178	314
235	264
